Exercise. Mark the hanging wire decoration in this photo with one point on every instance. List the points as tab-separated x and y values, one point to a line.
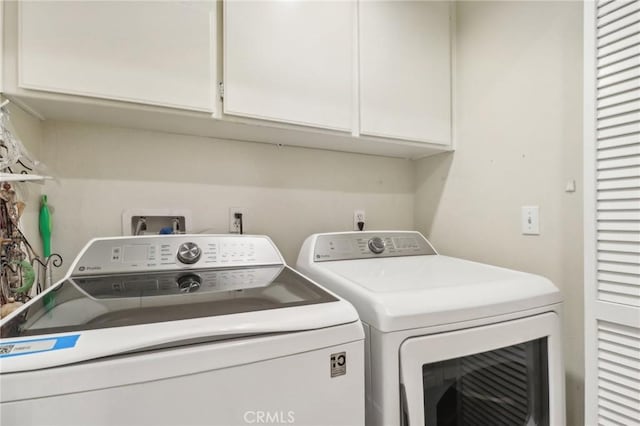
22	272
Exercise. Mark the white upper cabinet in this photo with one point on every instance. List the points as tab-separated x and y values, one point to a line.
149	52
290	61
405	70
375	72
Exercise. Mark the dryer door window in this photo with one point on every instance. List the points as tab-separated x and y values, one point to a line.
506	386
509	373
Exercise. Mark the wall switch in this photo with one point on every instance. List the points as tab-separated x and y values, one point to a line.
358	216
530	220
234	222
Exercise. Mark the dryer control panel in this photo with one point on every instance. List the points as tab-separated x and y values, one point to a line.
170	252
365	245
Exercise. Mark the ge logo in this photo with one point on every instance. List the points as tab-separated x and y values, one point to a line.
338	364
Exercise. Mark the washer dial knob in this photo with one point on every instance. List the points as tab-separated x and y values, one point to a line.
189	253
376	245
189	283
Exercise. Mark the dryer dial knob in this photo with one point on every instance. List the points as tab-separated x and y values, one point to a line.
376	245
189	253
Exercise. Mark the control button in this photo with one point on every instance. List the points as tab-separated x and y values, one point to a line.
189	283
376	245
152	253
189	253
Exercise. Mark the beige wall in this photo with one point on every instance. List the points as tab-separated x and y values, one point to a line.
518	125
290	193
518	104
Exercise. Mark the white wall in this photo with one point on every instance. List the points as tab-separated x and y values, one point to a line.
518	126
290	193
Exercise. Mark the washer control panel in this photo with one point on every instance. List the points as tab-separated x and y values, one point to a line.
145	286
365	245
168	252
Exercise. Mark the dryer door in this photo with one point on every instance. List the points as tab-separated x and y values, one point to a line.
508	374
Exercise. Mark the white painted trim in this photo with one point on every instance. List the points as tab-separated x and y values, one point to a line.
85	94
355	83
18	45
223	54
213	61
405	138
287	121
617	313
25	107
19	177
2	30
453	142
590	235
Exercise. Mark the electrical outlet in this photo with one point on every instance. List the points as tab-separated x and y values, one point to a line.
358	216
234	223
530	220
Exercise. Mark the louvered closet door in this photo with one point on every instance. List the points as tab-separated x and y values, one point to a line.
612	212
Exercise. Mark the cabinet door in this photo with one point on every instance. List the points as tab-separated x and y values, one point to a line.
405	70
157	53
289	61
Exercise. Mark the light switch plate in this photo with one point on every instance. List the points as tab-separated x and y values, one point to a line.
530	220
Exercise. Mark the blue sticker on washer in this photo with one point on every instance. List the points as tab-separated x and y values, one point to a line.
26	347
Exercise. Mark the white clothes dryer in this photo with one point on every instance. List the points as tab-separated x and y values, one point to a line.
182	330
448	341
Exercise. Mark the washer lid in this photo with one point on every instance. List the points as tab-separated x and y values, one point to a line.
149	311
419	291
94	302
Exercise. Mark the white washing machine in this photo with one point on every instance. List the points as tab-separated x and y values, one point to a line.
182	330
448	341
